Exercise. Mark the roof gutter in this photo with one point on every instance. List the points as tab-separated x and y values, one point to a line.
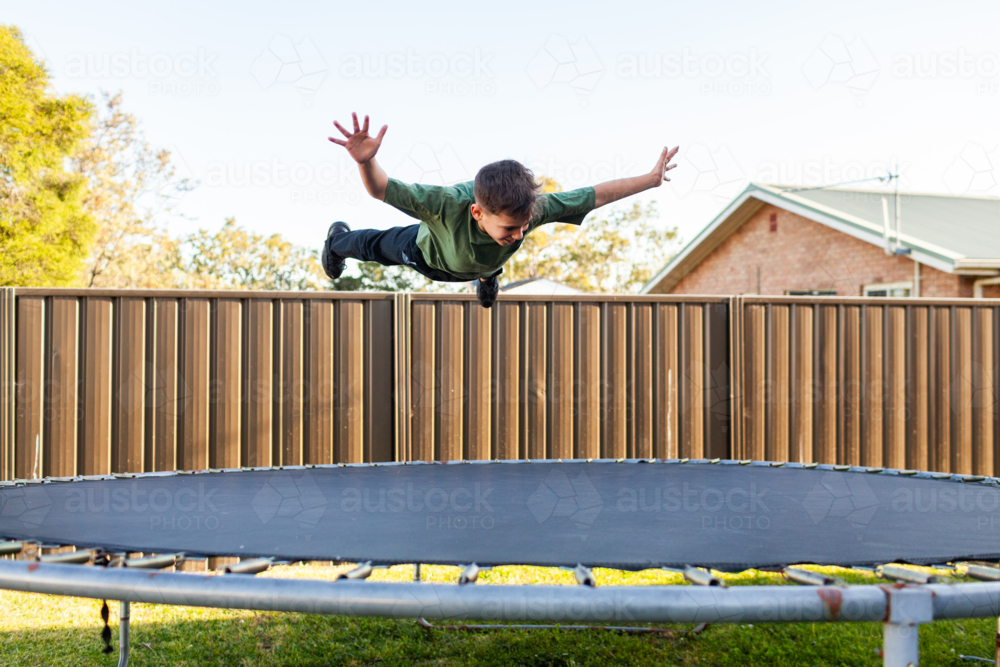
977	286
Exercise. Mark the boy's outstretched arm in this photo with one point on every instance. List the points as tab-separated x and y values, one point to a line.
363	148
605	193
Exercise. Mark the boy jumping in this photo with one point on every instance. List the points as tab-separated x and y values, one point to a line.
467	231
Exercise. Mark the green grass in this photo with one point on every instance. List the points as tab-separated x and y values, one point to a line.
47	630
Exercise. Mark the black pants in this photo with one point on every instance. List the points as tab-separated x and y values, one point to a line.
389	247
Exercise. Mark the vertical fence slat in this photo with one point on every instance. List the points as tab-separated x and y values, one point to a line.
30	378
507	367
803	373
424	391
613	382
587	382
849	428
717	391
778	389
478	382
641	387
536	346
194	384
59	443
8	374
668	375
872	387
94	447
825	398
349	447
129	409
378	408
996	388
561	351
942	403
224	399
161	454
755	390
449	370
319	389
293	385
256	427
894	414
961	397
983	405
917	395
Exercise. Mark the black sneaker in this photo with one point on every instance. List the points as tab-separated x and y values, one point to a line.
487	290
333	263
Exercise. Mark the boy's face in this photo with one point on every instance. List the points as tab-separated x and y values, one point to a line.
500	227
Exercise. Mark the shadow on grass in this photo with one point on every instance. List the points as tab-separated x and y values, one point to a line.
258	639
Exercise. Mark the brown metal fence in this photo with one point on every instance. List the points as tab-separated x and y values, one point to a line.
98	381
902	383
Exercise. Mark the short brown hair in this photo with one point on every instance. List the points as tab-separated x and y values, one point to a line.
507	187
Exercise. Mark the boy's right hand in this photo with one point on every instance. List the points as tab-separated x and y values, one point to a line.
359	144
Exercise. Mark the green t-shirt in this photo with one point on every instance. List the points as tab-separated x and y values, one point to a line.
450	238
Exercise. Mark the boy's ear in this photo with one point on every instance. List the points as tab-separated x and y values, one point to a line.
477	212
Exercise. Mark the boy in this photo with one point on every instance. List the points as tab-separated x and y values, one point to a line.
467	231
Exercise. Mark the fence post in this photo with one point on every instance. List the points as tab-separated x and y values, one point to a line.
7	392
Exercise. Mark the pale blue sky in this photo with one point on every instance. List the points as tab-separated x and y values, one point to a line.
244	94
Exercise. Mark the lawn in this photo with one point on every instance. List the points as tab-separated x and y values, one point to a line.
47	630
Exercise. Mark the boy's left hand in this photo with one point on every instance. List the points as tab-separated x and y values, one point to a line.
663	165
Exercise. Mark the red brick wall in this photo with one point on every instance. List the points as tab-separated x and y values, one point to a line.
802	254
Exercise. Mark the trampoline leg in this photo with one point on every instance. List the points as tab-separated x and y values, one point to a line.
908	607
900	645
123	632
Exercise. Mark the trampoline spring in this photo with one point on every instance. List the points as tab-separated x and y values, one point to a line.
252	566
584	576
900	573
702	577
469	575
157	562
809	577
983	572
7	548
363	571
72	557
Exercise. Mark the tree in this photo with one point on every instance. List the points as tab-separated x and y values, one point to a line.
45	230
377	278
234	258
131	185
617	251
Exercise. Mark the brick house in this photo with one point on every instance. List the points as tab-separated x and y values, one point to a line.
774	240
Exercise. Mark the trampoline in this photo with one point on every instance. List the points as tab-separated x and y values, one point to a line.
691	516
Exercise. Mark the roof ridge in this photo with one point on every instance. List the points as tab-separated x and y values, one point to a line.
783	189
